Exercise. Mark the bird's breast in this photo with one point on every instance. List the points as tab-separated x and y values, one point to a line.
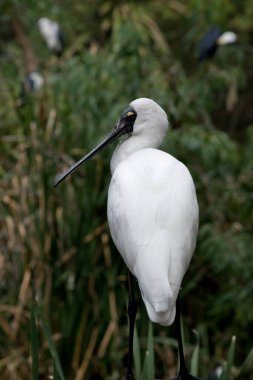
150	192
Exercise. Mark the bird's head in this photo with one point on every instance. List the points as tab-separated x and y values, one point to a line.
143	117
227	38
151	120
44	23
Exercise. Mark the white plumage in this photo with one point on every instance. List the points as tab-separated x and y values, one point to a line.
152	207
227	38
52	34
152	211
34	81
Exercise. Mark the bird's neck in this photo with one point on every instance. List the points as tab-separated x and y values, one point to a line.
129	146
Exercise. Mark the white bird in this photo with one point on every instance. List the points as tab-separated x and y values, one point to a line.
152	207
34	81
52	34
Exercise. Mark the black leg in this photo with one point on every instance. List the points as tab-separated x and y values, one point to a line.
132	310
183	372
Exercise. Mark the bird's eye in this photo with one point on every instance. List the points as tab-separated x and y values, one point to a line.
130	113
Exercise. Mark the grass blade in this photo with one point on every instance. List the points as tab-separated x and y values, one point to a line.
55	373
137	356
195	361
150	361
228	365
195	357
148	371
34	347
52	347
247	365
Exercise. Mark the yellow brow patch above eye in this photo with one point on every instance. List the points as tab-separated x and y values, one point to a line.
130	113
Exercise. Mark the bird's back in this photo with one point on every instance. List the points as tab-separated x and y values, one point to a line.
153	219
208	44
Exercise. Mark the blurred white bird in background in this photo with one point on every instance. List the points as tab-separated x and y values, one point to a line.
152	213
34	81
52	34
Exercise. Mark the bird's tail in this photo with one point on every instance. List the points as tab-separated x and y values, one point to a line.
159	298
165	317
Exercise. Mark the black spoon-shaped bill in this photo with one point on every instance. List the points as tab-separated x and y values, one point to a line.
124	126
92	153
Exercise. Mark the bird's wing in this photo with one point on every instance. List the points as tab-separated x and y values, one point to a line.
208	44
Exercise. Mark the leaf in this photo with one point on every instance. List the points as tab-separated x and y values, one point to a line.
137	355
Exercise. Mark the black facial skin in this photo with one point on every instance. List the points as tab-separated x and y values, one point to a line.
126	123
124	126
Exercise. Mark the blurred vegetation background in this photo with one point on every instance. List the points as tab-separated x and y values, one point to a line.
63	284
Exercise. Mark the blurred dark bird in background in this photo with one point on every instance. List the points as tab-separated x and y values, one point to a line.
211	40
52	34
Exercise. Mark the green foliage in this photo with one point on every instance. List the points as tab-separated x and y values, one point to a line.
55	243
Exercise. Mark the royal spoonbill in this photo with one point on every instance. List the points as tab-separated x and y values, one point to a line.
152	213
213	38
52	34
